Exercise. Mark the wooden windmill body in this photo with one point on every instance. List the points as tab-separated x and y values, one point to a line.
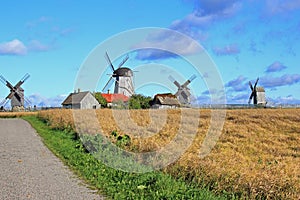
183	93
123	78
16	94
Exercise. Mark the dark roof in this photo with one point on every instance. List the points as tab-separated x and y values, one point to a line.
166	99
74	98
123	71
115	97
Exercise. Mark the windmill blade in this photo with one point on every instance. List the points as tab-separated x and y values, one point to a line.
25	77
189	80
172	79
108	84
5	82
4	102
123	61
109	61
11	94
27	101
184	95
177	93
192	77
18	85
250	84
256	83
250	98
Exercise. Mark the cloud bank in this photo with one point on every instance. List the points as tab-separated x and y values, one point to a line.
13	47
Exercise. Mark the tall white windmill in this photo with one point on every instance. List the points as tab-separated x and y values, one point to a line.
123	78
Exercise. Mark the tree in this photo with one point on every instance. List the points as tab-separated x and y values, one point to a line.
138	101
102	101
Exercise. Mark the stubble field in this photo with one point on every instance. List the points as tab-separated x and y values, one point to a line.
256	156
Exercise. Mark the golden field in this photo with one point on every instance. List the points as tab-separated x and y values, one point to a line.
256	156
16	114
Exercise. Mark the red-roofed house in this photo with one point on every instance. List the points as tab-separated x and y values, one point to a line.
114	98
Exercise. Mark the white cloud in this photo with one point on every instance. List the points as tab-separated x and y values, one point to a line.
41	101
165	44
14	47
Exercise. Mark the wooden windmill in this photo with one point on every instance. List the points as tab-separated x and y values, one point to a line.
183	93
16	94
257	94
123	78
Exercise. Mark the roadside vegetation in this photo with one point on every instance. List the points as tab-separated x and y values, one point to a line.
116	184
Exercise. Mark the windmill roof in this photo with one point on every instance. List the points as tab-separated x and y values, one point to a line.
74	98
123	71
166	99
260	89
115	97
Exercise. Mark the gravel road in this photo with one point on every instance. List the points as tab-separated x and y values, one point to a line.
28	170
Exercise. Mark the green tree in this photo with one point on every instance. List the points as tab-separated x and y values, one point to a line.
138	101
101	99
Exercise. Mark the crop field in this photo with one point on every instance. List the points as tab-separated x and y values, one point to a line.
256	156
16	114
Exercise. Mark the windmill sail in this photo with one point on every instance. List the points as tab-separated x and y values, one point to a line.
16	94
183	92
122	77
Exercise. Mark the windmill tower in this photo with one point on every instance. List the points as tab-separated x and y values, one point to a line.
257	94
183	93
16	94
123	78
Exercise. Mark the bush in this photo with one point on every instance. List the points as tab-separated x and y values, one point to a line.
138	101
101	99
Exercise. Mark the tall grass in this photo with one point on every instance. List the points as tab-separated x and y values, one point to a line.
257	155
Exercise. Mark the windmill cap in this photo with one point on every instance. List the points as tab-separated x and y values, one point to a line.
123	71
260	89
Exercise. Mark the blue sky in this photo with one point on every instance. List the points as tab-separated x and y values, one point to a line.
245	39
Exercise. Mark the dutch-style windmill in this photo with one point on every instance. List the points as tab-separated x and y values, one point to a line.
257	94
123	78
183	93
16	94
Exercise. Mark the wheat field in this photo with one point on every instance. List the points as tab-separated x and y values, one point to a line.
256	156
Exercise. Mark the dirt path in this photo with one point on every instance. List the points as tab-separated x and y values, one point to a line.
28	170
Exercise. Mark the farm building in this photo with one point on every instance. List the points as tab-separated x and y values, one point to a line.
165	101
113	99
81	100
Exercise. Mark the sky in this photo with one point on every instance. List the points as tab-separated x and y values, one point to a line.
51	40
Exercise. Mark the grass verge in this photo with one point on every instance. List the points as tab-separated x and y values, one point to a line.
114	183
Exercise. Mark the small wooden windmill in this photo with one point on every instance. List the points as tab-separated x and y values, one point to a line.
183	93
257	94
123	78
16	94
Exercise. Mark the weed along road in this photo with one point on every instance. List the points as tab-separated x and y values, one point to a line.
28	170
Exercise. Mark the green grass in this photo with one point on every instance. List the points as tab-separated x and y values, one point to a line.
113	183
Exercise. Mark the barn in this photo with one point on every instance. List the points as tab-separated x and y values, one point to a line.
81	100
165	101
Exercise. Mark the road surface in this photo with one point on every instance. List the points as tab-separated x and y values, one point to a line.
28	170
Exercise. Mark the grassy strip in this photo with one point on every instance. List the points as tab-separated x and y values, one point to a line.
114	183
